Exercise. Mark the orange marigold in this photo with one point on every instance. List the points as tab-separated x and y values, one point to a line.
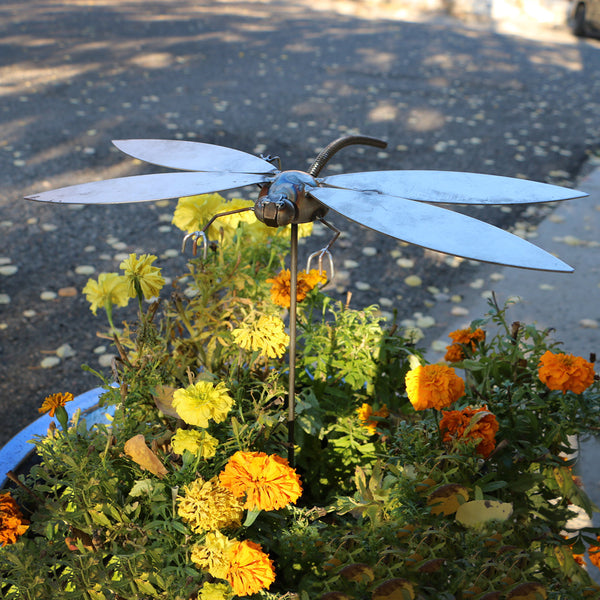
280	285
12	523
52	402
594	554
471	424
267	481
365	412
250	569
433	386
463	338
565	372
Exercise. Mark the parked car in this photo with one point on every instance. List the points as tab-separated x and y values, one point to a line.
584	17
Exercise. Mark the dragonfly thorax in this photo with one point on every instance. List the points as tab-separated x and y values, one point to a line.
285	201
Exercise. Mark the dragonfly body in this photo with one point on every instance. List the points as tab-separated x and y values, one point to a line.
286	201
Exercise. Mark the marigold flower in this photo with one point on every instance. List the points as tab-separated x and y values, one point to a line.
565	372
109	289
215	591
462	338
202	401
266	336
365	412
433	386
594	553
250	569
267	481
52	402
214	555
142	276
196	442
471	424
208	505
12	523
280	285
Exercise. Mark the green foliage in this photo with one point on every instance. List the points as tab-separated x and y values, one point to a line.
388	509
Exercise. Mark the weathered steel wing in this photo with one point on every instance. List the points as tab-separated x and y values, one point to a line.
194	156
437	228
144	188
452	187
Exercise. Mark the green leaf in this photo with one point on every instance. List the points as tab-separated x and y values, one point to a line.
477	513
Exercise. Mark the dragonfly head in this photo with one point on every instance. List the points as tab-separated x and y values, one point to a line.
275	210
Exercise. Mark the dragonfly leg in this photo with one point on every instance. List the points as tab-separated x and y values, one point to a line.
196	235
274	160
325	252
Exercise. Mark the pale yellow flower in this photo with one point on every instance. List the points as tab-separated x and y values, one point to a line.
202	401
266	336
196	442
214	555
193	212
141	274
108	290
215	591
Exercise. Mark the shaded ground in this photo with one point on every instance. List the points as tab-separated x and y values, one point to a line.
273	77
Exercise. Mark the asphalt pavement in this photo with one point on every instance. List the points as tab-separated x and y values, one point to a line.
274	77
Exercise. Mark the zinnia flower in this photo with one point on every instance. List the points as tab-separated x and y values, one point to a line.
266	336
471	424
196	442
141	276
215	591
202	401
12	523
433	386
280	285
463	338
214	555
208	505
52	402
250	569
110	289
267	481
565	372
365	412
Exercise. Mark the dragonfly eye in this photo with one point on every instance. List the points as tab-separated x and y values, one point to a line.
275	212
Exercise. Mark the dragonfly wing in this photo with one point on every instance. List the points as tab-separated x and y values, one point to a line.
194	156
452	187
144	188
437	228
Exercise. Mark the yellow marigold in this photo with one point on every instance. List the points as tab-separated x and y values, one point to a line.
215	591
142	276
463	338
565	372
365	412
433	386
52	402
193	212
202	401
196	442
110	289
207	506
250	569
12	523
214	555
266	336
471	424
280	285
267	481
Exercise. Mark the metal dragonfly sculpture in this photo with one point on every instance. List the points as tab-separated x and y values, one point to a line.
396	203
